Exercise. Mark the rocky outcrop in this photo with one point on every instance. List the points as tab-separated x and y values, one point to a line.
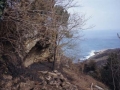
36	49
101	57
36	55
44	81
25	34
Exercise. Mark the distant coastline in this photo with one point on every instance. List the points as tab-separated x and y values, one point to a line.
98	40
103	52
101	56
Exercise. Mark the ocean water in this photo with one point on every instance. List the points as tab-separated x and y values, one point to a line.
95	40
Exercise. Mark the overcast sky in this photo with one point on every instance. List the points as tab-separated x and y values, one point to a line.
105	14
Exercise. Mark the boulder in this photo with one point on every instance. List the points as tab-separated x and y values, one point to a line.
49	81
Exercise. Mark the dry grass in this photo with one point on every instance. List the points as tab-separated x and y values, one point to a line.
81	80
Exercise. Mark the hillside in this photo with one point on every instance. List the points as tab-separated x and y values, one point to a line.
105	67
101	57
65	79
31	56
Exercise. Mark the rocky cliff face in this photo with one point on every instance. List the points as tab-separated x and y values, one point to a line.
36	50
21	49
24	38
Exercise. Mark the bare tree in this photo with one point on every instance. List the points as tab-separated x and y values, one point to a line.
113	68
112	71
66	26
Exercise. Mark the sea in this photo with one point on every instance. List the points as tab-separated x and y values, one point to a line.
93	41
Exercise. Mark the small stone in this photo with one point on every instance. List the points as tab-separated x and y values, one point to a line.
59	74
44	88
16	80
8	84
7	77
48	77
52	74
55	71
43	72
22	85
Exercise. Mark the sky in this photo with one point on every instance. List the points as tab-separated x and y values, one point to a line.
103	14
